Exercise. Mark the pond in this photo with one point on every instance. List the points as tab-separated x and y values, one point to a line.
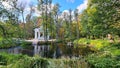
12	50
50	51
40	50
36	50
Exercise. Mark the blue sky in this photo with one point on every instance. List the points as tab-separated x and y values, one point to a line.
68	4
65	4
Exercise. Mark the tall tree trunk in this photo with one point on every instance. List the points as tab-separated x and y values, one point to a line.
46	21
24	25
77	29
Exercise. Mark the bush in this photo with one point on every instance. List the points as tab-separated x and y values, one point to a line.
7	43
106	55
97	61
113	48
97	43
82	41
116	45
26	45
9	58
22	61
50	63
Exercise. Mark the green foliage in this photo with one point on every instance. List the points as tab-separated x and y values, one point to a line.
116	45
82	41
9	58
113	49
103	59
108	56
96	61
82	47
7	43
1	38
20	61
49	63
101	17
97	43
25	62
9	30
26	45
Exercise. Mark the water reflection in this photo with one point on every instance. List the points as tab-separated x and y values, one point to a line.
13	50
41	50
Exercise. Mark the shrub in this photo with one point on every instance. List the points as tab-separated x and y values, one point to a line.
7	43
96	61
97	43
50	63
22	61
116	45
9	58
26	45
82	41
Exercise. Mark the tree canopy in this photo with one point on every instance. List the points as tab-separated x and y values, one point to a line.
101	17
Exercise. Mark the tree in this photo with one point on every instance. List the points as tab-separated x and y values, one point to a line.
43	7
21	8
56	12
9	16
101	17
70	23
66	21
77	25
29	25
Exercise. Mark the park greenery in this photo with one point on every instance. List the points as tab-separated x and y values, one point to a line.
87	30
20	61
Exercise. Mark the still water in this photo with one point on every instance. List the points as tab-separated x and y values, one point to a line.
36	50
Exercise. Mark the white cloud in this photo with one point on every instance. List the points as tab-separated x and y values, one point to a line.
24	1
71	1
6	5
66	11
82	6
36	11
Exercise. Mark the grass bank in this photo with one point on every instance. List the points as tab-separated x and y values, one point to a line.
105	55
22	61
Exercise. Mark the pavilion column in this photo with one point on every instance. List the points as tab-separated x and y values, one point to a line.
39	50
38	35
35	34
48	37
35	49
